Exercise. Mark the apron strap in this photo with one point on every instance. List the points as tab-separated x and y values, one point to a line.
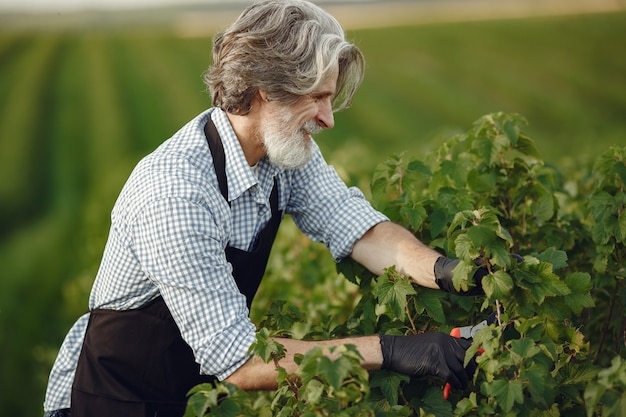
219	158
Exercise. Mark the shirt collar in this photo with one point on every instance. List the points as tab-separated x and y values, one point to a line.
239	174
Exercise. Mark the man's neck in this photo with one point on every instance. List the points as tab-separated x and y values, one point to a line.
248	132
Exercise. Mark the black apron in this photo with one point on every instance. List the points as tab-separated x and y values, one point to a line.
135	362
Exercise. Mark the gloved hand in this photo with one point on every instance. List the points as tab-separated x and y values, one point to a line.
433	354
443	275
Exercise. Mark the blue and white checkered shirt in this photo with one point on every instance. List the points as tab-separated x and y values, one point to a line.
170	226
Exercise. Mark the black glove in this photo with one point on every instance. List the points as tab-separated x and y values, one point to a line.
433	354
443	275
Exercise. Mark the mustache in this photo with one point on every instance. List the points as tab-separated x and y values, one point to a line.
311	127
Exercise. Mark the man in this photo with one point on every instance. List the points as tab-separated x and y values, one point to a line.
192	229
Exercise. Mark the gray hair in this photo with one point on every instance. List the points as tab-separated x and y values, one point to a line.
287	48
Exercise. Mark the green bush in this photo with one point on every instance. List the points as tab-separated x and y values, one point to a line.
558	345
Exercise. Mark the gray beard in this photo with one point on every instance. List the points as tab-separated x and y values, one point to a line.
288	150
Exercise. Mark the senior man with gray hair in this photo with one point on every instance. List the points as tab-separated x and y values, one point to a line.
193	226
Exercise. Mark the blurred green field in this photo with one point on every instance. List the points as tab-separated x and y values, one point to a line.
78	108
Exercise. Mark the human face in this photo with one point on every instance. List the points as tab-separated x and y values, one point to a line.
287	131
288	146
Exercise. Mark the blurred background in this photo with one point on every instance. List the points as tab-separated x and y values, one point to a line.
88	87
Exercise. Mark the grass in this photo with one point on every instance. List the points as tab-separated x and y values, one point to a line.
79	108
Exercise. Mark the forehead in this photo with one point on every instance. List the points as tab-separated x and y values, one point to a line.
328	86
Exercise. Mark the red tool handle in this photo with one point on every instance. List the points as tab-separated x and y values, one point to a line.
446	390
456	332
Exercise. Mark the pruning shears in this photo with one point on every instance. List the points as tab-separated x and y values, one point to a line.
468	332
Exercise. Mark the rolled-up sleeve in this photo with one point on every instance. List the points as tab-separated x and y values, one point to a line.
328	211
58	393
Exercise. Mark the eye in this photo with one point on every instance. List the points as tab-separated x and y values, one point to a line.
320	96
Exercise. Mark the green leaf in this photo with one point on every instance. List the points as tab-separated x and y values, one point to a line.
497	285
614	373
580	374
593	395
504	234
557	258
484	149
433	403
600	204
488	217
524	348
465	248
542	208
414	215
393	292
226	408
368	322
601	233
350	269
199	403
527	146
481	182
611	164
620	171
334	371
266	347
308	363
438	222
419	166
541	282
554	286
466	405
461	274
482	235
507	393
286	412
461	219
537	383
313	392
614	405
580	286
205	387
499	254
285	315
389	384
455	172
511	130
553	329
431	300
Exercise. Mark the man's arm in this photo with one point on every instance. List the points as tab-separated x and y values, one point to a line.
388	244
435	354
258	375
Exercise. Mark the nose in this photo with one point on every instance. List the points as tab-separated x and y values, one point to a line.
324	117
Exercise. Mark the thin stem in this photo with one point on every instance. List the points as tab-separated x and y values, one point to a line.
498	311
605	330
408	314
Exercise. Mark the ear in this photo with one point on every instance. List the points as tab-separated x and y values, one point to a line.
263	95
